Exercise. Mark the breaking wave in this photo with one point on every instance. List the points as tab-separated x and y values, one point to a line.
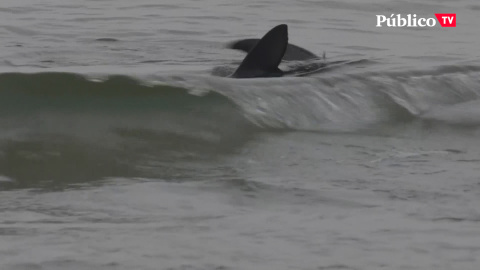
91	127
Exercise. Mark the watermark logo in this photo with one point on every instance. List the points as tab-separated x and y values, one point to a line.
447	19
411	20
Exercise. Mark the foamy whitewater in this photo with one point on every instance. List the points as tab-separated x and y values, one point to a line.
121	149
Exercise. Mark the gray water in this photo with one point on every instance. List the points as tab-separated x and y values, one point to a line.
120	150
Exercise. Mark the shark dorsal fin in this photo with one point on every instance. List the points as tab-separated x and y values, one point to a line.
293	52
264	58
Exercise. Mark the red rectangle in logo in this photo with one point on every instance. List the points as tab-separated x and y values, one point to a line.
447	19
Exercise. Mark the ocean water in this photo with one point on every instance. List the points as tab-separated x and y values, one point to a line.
121	149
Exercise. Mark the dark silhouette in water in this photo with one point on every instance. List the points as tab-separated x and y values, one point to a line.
265	54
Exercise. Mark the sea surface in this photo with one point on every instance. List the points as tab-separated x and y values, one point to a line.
120	149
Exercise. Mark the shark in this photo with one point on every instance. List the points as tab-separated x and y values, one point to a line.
265	55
